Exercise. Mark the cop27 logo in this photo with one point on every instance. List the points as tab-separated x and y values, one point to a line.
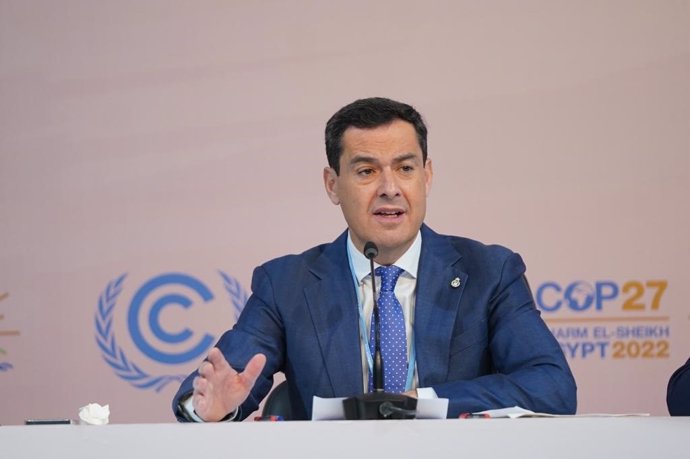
115	356
579	296
607	319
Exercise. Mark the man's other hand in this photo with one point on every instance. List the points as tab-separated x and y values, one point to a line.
219	389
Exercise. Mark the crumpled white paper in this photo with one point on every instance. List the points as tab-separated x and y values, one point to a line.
94	414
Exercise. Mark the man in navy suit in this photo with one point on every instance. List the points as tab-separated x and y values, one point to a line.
472	332
678	392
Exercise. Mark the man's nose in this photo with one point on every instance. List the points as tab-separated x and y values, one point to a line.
388	185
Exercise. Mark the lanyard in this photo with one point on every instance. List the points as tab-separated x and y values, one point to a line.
364	336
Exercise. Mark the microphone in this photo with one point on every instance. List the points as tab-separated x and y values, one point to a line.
371	252
378	404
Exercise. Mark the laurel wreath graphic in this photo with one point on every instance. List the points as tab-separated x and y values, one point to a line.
238	297
115	356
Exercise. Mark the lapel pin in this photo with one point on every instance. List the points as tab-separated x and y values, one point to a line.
455	283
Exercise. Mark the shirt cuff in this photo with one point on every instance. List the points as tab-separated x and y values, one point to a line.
189	409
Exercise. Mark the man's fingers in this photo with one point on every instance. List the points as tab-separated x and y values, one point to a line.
200	384
219	389
200	404
215	363
217	360
205	369
253	369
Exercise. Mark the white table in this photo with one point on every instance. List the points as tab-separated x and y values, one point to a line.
631	437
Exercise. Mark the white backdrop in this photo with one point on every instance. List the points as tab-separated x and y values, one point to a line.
145	138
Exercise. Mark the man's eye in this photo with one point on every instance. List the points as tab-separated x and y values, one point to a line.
407	168
365	172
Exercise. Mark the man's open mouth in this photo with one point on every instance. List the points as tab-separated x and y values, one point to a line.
389	213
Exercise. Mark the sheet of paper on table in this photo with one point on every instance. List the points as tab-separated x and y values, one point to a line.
331	409
516	412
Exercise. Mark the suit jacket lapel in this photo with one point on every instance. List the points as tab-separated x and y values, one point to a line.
332	303
436	306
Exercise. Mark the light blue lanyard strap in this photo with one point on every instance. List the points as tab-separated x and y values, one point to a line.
364	336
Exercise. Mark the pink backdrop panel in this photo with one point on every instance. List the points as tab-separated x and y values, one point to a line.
163	150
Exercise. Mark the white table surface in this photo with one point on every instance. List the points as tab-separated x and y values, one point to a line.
628	437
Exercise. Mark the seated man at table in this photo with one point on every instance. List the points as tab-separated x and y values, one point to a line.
678	392
460	322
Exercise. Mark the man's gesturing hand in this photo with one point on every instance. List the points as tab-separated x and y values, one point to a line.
219	390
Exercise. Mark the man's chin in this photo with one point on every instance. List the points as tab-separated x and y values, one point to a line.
392	248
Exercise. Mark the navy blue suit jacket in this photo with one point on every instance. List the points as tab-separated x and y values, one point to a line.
678	392
482	345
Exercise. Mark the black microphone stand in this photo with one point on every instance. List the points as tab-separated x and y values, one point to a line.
378	404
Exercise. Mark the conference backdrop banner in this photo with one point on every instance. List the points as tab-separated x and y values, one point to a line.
153	153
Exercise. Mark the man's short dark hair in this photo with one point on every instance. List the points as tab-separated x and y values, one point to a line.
368	114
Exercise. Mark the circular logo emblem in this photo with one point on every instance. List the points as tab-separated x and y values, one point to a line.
145	324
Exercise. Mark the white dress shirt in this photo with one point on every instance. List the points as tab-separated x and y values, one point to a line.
405	290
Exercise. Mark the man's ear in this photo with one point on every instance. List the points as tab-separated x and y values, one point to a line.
330	182
428	175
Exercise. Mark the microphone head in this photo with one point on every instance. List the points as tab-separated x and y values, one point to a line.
370	250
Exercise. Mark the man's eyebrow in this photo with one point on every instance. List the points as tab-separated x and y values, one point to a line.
361	158
357	159
405	157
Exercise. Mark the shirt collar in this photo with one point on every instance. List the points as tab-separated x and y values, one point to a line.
409	261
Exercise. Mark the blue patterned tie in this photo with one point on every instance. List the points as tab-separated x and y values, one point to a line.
393	335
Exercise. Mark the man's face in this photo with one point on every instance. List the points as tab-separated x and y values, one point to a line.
382	187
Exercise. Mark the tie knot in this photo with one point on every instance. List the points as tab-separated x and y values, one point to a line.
389	276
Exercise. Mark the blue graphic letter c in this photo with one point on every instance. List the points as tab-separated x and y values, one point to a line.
154	319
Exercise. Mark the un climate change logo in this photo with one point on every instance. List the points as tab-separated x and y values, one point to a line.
115	356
